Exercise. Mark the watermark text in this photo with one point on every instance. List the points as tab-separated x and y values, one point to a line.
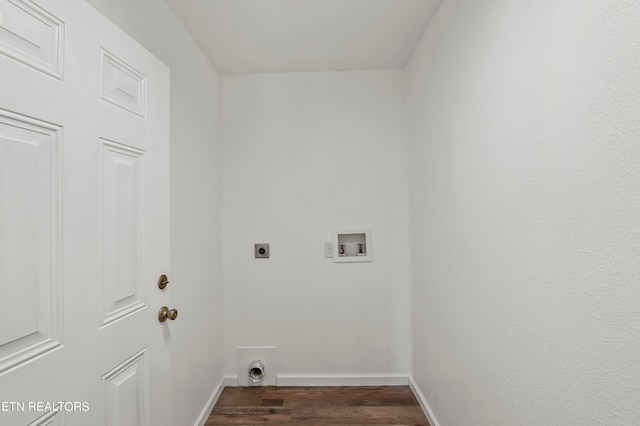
44	406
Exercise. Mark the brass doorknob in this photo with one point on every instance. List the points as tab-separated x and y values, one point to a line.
166	313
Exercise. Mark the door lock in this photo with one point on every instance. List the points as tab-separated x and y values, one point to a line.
166	313
163	281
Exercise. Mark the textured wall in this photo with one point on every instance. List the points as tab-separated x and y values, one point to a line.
307	153
196	271
525	212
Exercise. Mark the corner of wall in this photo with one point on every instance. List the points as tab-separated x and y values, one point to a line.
433	421
211	402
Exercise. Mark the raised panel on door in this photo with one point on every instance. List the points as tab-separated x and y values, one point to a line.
127	392
30	285
122	85
122	197
31	35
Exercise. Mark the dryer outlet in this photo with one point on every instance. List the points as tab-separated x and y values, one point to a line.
247	355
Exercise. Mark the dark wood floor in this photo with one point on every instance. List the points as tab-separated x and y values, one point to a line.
370	405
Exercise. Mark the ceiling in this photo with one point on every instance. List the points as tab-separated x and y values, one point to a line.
257	36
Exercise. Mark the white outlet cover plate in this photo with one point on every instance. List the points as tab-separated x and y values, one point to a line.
245	355
328	249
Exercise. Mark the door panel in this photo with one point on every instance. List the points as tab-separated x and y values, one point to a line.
126	392
122	224
29	239
84	113
31	35
122	85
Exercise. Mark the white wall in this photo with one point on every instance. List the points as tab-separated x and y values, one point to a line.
525	212
307	153
196	272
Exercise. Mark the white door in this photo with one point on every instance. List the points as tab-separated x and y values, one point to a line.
84	198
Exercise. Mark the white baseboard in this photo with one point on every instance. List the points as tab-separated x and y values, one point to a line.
332	380
342	379
211	403
423	402
231	380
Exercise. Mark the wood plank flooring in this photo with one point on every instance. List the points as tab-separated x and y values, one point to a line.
351	405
